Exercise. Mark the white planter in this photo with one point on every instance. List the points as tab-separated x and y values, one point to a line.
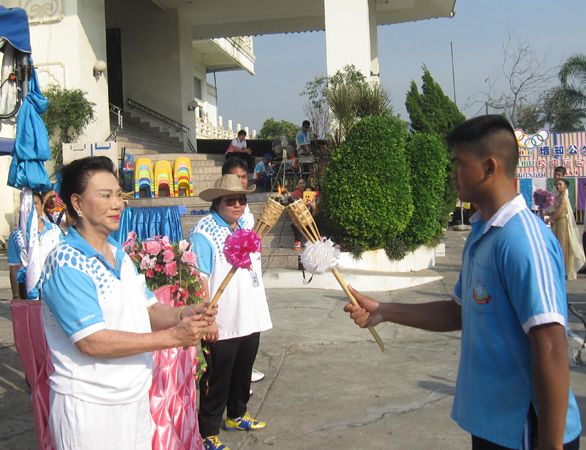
377	261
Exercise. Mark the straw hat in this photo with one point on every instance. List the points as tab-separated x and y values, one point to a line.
228	184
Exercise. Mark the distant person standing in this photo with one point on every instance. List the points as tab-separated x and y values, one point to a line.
303	139
238	148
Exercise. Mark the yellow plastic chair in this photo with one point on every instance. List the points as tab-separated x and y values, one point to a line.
182	176
163	175
143	177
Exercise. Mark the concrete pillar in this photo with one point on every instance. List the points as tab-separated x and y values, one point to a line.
351	36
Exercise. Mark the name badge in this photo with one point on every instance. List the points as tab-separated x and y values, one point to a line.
254	278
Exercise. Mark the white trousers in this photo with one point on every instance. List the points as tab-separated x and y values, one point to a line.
80	425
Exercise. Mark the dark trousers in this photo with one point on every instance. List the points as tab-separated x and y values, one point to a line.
483	444
226	383
248	159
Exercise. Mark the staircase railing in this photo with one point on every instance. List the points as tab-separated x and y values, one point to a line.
166	120
115	110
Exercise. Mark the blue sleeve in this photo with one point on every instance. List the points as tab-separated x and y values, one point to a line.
532	267
13	251
300	139
258	168
71	295
204	250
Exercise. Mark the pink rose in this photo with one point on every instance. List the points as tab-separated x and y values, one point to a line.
183	245
189	258
168	256
150	273
170	269
148	263
131	235
152	247
159	268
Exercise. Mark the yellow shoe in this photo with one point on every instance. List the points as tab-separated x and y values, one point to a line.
244	423
213	443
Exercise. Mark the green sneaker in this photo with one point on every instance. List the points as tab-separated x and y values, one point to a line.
213	443
244	423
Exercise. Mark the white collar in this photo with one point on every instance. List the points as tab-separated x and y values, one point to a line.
503	215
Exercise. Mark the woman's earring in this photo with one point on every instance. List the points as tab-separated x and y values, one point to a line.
79	213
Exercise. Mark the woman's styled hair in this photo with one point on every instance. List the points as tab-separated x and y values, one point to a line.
76	176
566	182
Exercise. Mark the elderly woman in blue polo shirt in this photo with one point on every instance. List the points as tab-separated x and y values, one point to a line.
102	323
243	313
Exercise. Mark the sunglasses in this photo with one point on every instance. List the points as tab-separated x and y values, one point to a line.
231	201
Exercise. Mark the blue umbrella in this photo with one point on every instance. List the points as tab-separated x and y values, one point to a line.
31	149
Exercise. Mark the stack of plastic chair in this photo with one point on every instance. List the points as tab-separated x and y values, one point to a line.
163	178
182	176
143	177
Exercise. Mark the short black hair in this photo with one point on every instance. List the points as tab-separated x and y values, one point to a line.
40	195
560	169
502	145
76	176
306	123
242	132
233	163
566	182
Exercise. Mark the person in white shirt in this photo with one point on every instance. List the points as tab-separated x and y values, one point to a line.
238	148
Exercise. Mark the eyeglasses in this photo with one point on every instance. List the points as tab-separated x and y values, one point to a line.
231	201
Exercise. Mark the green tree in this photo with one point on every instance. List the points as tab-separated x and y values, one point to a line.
574	70
426	155
69	112
365	188
432	112
349	98
271	129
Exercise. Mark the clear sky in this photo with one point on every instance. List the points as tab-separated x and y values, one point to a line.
285	62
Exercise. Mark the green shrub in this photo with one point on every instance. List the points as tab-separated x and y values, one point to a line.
68	114
427	159
365	188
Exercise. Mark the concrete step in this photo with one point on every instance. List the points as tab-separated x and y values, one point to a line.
3	261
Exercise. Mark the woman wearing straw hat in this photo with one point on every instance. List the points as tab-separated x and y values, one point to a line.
242	314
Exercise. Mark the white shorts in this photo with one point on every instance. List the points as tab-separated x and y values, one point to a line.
80	425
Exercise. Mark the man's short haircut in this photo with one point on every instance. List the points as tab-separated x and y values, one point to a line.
242	132
560	169
233	163
306	123
496	137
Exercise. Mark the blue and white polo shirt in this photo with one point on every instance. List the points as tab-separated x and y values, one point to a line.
82	294
242	308
512	279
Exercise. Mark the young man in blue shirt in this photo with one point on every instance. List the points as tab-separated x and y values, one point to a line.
510	302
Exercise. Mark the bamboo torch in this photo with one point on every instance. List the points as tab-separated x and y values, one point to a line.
267	220
304	221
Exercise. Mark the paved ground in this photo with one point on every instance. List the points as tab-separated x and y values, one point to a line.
327	385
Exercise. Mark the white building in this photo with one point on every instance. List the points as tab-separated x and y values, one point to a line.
157	52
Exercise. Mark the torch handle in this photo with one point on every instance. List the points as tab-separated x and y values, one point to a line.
355	302
220	290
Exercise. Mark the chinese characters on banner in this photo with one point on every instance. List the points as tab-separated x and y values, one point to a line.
542	152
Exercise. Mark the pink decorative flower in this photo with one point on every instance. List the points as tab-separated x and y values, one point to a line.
183	245
132	235
152	247
170	269
189	258
239	246
148	263
159	268
168	256
150	273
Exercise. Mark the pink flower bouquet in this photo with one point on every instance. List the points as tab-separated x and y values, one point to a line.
167	263
542	199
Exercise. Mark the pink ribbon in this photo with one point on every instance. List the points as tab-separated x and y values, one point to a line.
239	246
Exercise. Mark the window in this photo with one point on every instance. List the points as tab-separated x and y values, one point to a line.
197	88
